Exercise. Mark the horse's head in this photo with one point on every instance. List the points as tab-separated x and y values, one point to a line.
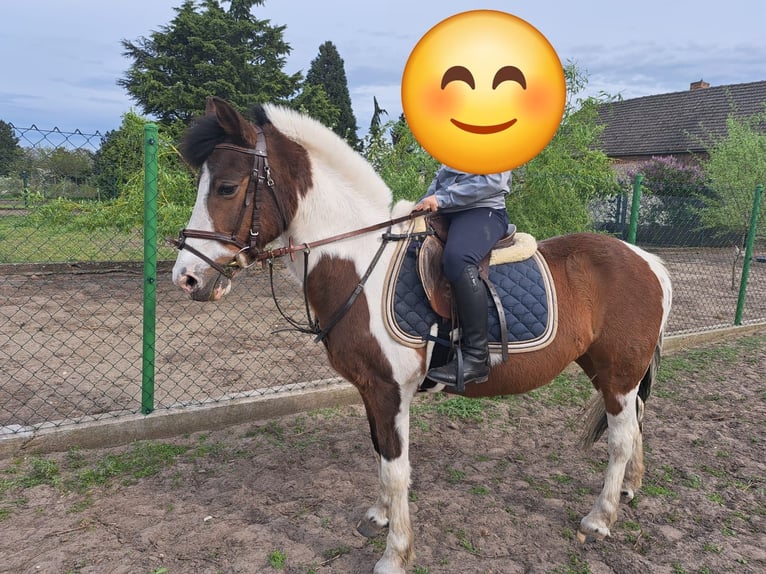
250	178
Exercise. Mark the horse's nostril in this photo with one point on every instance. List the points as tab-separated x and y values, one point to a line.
189	283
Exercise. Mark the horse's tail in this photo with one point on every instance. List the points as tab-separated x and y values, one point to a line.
596	422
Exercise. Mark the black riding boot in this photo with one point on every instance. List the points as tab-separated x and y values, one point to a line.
470	297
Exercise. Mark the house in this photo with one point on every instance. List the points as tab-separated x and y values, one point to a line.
680	124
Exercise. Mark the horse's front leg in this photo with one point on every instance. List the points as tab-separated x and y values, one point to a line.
623	437
388	413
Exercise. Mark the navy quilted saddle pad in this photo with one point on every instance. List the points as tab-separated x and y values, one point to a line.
521	287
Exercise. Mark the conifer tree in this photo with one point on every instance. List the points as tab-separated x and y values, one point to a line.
9	148
206	50
327	70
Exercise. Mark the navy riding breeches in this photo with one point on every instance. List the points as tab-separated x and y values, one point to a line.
472	234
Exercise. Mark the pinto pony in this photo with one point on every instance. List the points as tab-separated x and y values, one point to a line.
285	184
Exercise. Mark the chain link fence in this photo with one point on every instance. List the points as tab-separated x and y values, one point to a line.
71	300
703	243
71	294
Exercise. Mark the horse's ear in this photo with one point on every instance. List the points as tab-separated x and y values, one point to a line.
232	122
210	106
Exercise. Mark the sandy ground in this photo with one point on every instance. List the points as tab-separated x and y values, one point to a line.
498	487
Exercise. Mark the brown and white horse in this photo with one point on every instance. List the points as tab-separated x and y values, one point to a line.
285	180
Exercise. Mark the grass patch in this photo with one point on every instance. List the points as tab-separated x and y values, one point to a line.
466	543
452	407
576	565
705	359
23	243
277	559
454	475
144	459
337	552
564	390
38	471
460	408
657	490
480	490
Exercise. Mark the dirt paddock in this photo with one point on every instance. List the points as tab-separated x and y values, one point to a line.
496	489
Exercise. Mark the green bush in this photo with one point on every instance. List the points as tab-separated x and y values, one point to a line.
125	212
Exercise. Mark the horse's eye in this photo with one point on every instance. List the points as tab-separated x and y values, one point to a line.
227	189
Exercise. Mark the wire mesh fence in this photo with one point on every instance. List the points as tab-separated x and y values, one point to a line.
71	295
703	243
71	301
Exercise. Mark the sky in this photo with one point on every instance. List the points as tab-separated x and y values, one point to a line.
60	59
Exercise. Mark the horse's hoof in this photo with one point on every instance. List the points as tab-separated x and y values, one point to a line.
368	528
385	566
626	495
583	537
587	533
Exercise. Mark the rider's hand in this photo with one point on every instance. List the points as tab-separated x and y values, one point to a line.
428	203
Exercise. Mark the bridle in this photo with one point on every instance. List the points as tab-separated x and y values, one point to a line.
260	176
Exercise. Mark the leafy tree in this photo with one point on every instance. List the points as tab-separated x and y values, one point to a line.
74	165
327	70
668	176
125	211
375	145
736	164
551	192
9	149
206	50
402	162
375	130
120	155
409	169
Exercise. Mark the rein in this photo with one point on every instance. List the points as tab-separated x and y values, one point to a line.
261	174
313	324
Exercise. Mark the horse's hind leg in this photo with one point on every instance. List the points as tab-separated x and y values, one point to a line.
634	470
623	436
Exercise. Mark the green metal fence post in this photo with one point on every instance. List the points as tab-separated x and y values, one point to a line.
748	254
634	208
150	268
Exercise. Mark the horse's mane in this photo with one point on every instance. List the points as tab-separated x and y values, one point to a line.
325	146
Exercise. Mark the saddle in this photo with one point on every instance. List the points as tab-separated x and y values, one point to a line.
435	284
417	300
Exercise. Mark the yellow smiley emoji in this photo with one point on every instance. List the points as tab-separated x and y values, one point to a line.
483	91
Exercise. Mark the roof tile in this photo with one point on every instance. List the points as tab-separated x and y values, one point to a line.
679	122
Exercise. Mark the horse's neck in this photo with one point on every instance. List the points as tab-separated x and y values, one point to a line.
318	219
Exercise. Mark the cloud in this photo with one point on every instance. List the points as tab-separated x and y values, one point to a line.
647	68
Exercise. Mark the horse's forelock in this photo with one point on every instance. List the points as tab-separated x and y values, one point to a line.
200	139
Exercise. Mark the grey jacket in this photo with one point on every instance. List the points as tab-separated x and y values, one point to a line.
457	190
